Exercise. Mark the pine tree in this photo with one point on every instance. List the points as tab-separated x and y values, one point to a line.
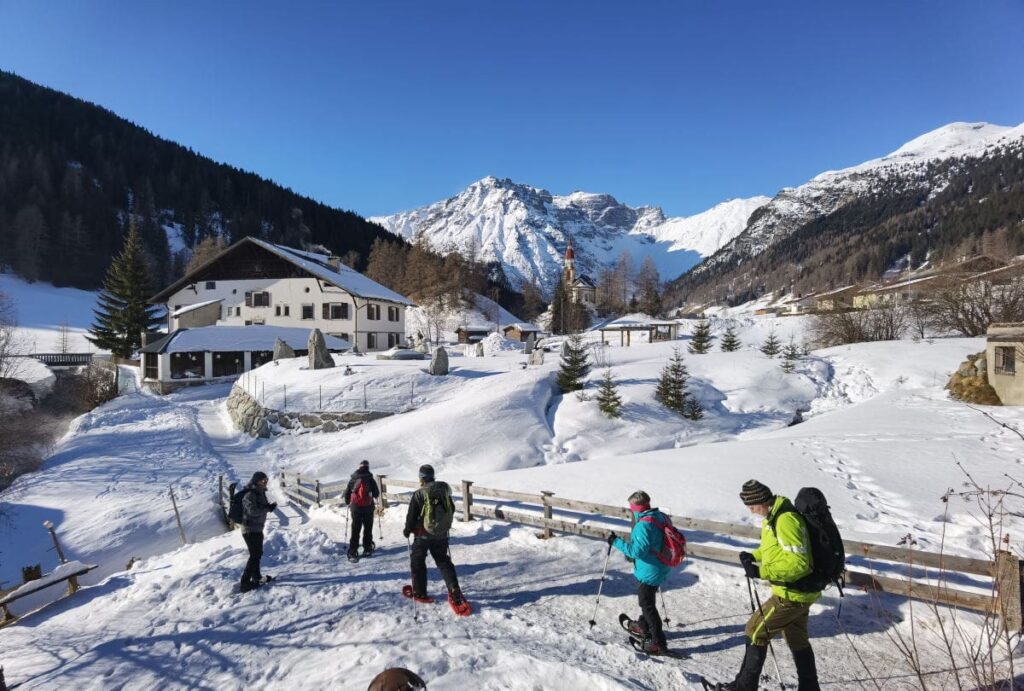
771	346
608	399
671	391
790	354
123	313
574	365
700	342
730	341
692	409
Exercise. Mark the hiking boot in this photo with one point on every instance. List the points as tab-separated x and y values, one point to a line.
750	671
456	598
635	628
423	599
652	647
367	551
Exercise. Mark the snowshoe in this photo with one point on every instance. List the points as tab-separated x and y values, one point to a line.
459	604
353	557
632	627
367	551
649	647
422	599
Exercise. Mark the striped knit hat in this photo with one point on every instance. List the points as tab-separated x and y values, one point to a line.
756	493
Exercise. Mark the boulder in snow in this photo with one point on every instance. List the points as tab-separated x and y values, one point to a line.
439	362
319	357
282	350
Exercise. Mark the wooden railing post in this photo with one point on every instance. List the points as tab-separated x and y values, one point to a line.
318	494
547	512
1008	591
467	500
383	491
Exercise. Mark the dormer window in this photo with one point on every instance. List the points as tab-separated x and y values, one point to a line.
210	285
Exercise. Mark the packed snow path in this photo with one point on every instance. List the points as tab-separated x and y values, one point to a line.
178	621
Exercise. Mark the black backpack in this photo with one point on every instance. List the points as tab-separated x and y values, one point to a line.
827	552
236	510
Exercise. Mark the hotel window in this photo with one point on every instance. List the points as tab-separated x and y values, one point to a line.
307	311
393	339
371	341
392	314
373	312
210	285
335	310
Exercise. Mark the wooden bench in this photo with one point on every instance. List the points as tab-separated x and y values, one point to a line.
65	572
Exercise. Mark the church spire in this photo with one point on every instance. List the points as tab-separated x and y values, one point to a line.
570	264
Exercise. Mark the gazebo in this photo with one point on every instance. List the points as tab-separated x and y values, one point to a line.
656	329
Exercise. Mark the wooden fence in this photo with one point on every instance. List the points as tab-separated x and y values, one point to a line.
1001	578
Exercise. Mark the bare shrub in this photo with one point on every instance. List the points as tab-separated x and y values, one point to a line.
887	323
968	308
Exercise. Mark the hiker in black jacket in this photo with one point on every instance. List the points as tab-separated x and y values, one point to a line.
255	508
426	541
360	495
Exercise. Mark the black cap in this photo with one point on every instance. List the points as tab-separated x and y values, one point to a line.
257	477
426	472
364	463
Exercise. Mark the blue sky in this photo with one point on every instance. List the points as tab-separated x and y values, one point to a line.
387	105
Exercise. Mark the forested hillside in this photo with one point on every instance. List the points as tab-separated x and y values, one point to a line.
69	170
951	209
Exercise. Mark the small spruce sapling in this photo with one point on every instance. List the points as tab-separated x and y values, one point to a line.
574	365
730	341
608	399
700	341
790	354
671	391
692	409
771	346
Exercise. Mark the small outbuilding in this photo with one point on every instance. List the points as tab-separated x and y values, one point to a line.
217	353
473	333
1004	347
520	331
656	329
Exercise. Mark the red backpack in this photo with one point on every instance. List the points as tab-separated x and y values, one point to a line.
361	496
673	546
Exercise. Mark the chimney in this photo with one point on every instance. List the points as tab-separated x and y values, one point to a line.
334	262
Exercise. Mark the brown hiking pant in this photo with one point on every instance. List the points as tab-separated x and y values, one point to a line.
780	616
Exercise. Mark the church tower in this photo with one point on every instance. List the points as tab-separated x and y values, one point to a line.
569	273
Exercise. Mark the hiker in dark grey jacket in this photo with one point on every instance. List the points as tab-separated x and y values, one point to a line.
255	508
360	496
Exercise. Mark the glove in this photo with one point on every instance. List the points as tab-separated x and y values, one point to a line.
611	539
406	533
750	568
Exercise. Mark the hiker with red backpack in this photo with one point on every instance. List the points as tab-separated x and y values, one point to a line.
654	547
360	496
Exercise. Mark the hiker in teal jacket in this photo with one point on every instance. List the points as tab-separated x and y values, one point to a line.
645	541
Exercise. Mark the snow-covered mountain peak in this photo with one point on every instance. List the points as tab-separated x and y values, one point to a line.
527	228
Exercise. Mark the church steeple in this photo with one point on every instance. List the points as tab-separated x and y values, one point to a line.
570	264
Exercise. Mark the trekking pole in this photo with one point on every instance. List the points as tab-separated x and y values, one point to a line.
380	524
663	607
412	601
600	587
768	633
750	594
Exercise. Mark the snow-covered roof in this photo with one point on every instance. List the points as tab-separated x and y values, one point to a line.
236	338
317	265
476	327
189	308
522	326
584	280
837	291
343	277
904	284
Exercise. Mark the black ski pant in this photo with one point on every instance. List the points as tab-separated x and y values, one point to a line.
362	519
251	576
649	619
438	548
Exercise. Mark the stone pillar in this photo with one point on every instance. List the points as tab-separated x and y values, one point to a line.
246	361
207	365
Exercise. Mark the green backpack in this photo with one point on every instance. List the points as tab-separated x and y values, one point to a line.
438	509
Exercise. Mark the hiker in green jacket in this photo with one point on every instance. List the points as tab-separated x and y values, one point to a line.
783	558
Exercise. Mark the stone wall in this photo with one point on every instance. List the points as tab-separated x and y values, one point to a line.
970	382
256	421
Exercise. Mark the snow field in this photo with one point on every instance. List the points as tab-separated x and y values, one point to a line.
41	309
177	620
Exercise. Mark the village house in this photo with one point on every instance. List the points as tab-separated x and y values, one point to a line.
1004	347
581	288
257	283
836	299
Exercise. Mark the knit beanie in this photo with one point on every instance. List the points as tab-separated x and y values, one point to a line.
756	493
426	472
364	464
257	477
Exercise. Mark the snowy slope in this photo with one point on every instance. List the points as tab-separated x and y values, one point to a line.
527	229
41	310
823	194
